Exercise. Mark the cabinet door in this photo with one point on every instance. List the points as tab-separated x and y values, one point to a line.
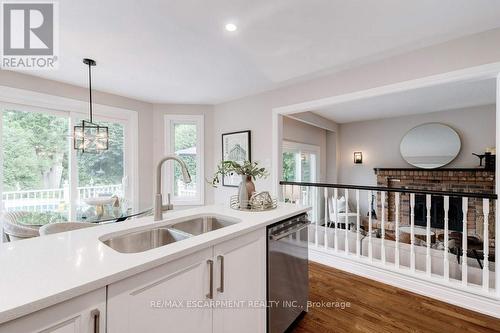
77	315
243	279
168	298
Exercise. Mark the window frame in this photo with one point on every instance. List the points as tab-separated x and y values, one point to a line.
298	147
168	186
29	101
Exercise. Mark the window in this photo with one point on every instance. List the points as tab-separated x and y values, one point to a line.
301	164
43	173
103	174
184	138
35	162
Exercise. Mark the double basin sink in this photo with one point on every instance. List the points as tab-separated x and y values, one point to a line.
140	241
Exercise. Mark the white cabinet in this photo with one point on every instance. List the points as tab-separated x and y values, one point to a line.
83	314
161	299
176	296
241	272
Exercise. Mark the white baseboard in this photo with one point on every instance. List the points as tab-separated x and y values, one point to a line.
481	304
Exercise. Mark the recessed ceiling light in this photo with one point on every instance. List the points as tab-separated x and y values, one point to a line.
231	27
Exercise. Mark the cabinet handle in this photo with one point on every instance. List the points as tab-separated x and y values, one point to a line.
210	294
96	314
221	287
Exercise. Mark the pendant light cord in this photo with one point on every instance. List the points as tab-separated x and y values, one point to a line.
90	90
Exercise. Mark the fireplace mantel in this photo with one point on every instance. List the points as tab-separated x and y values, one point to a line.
433	170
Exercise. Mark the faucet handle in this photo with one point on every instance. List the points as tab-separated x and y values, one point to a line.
168	206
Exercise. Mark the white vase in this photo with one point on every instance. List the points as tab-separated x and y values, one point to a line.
243	193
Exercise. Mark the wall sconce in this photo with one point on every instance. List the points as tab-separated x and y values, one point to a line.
358	157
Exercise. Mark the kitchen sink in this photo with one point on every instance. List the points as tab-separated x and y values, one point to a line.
201	225
141	241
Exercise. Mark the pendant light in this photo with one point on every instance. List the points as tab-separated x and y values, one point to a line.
89	137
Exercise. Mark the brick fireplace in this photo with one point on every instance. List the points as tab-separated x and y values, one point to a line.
453	180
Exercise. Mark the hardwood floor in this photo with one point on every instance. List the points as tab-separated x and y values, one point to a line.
377	307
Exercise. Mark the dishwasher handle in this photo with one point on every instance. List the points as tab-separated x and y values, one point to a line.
290	231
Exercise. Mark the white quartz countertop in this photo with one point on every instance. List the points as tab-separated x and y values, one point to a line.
40	272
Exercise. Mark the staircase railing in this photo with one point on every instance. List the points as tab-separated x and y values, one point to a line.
443	237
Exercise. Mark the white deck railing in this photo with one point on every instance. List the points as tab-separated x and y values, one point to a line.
355	233
50	199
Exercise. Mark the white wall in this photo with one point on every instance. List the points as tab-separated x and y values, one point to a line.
332	157
255	112
297	131
379	141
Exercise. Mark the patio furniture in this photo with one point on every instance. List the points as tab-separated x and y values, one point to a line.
54	228
14	229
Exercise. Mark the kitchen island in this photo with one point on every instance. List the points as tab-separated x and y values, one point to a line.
74	282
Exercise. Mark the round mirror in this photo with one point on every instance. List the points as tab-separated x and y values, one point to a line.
430	146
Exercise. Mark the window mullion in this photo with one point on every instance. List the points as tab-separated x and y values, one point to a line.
73	170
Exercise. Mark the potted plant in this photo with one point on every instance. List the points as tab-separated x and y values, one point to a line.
249	171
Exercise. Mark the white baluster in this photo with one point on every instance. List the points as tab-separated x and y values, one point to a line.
316	189
465	207
335	217
346	222
446	263
382	236
370	245
326	217
302	200
293	194
396	253
412	232
486	247
428	266
357	224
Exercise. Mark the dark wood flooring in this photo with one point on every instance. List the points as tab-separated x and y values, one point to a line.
377	307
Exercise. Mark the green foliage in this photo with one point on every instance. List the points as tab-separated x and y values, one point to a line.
35	144
185	137
248	168
104	168
288	166
36	148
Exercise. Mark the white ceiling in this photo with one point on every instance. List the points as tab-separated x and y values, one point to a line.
177	51
423	100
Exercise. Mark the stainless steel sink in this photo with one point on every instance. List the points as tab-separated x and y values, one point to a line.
201	225
141	241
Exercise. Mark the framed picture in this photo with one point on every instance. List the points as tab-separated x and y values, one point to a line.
236	146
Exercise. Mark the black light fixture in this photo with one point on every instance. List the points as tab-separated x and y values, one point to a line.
89	137
358	157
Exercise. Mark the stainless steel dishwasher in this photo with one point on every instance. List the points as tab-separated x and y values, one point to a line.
287	272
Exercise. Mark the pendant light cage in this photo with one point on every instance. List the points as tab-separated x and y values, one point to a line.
89	137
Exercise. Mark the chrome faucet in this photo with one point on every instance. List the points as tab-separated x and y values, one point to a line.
159	207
